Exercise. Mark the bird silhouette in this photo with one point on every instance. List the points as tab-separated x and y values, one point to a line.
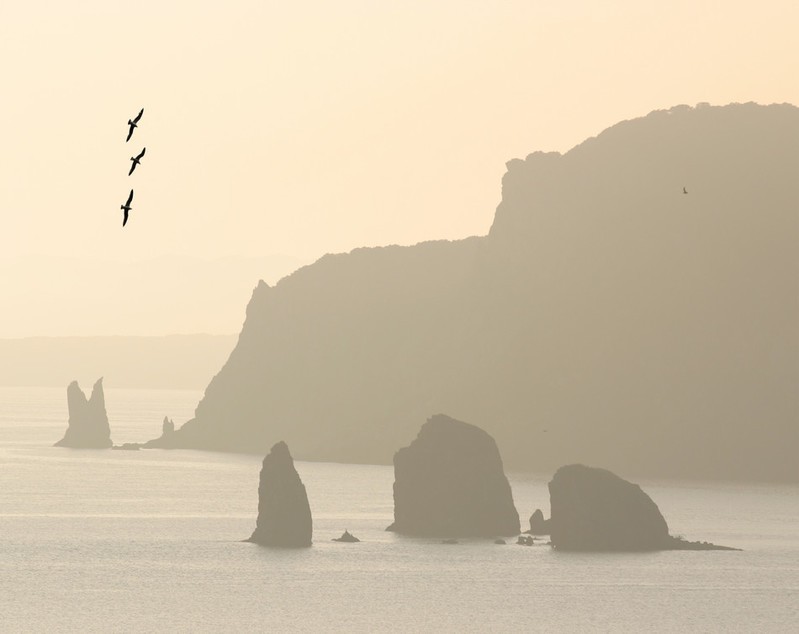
126	207
684	191
136	160
133	125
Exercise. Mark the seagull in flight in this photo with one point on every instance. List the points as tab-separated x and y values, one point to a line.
136	160
126	207
133	125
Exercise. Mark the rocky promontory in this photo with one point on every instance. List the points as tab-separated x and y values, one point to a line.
599	279
284	516
596	510
450	482
88	422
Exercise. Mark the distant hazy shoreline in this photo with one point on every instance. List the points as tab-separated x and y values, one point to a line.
168	362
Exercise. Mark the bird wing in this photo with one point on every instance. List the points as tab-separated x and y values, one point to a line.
125	219
130	133
130	197
132	167
141	153
138	116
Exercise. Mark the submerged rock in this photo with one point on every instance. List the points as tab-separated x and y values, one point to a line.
284	516
128	446
678	543
347	537
596	510
450	482
538	525
88	422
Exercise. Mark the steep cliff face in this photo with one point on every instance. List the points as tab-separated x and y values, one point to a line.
88	423
284	516
647	329
449	482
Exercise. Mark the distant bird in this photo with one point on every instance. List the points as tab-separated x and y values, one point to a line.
133	125
136	160
126	207
684	191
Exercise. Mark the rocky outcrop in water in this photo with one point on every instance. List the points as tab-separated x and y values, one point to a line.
167	439
88	422
167	427
596	510
450	482
538	525
346	537
284	516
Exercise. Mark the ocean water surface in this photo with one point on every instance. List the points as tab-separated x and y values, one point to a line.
122	541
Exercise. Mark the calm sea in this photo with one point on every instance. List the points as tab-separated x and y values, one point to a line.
107	541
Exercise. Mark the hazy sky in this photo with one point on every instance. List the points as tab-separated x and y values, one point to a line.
301	128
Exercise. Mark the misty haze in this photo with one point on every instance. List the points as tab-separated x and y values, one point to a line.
423	317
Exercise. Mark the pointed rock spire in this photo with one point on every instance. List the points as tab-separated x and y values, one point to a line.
88	422
284	516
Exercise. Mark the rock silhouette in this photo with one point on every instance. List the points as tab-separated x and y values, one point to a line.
167	438
88	422
538	525
598	284
596	510
168	426
284	516
347	537
449	482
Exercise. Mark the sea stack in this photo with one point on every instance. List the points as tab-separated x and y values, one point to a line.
284	516
538	525
449	482
167	427
167	438
88	422
596	510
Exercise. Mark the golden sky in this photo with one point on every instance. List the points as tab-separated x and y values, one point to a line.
300	128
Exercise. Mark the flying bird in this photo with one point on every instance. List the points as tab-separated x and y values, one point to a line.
133	125
126	207
136	160
684	191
